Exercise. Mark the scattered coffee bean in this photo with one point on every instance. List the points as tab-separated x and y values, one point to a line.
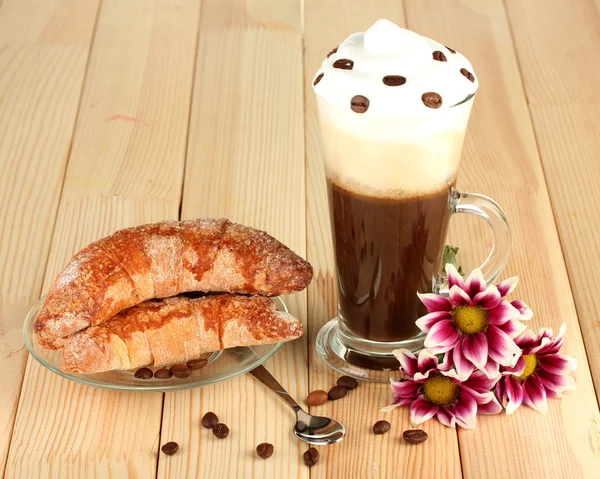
467	74
451	50
163	374
432	99
337	392
311	457
300	426
343	64
381	427
439	56
332	52
393	80
318	79
347	382
359	104
181	371
209	420
316	398
170	448
414	436
144	373
220	430
197	363
264	450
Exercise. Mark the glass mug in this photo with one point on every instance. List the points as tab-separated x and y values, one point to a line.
390	184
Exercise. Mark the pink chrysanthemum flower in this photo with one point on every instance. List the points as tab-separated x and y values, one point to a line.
475	325
433	389
540	372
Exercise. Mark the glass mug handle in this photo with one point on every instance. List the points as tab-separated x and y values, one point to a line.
492	213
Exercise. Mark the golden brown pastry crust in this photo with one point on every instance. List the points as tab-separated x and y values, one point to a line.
176	330
161	260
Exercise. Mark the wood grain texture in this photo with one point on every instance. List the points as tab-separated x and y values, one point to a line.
362	454
500	159
43	54
561	83
246	162
125	168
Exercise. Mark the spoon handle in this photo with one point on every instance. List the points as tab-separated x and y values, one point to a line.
268	380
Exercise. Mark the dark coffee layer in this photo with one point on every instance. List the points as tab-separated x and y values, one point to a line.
386	251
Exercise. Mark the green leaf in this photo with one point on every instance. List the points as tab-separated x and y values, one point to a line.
450	253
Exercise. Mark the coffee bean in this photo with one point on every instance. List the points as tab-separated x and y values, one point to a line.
393	80
450	49
181	371
264	450
359	104
337	392
209	420
144	373
163	374
316	398
467	74
347	382
332	52
439	56
343	64
311	457
221	431
414	436
300	426
381	427
432	99
170	448
318	79
197	363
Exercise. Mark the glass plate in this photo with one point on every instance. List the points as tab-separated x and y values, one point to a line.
221	365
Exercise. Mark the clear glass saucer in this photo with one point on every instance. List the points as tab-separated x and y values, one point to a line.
222	365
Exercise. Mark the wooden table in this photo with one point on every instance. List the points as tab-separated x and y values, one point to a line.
115	113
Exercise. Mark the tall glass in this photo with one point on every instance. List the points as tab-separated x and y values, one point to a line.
391	186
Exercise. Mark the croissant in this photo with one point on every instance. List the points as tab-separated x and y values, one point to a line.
161	260
176	330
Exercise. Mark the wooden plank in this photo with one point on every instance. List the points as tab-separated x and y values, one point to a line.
125	168
246	162
501	160
361	454
564	108
43	55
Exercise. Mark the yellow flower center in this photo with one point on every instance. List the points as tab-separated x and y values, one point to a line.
471	319
530	365
440	390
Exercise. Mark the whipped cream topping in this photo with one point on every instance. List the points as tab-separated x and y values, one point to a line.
390	71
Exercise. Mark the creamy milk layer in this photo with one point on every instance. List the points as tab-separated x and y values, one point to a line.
393	107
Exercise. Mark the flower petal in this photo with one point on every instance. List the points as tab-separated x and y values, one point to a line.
446	417
534	394
475	349
507	286
513	394
480	382
502	313
526	339
397	403
525	312
442	337
463	366
465	411
556	382
407	360
475	283
426	361
406	389
435	302
454	277
501	347
492	406
488	299
512	327
557	363
421	411
425	323
515	370
458	297
491	368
